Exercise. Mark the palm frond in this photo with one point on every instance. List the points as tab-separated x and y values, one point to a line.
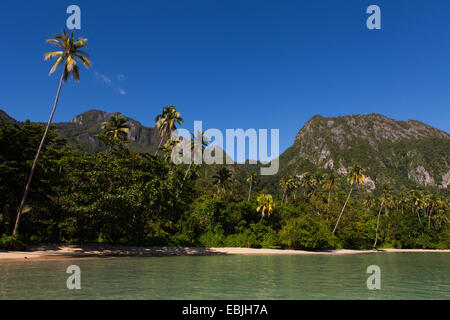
57	63
52	55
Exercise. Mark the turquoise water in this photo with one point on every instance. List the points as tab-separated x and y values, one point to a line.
403	276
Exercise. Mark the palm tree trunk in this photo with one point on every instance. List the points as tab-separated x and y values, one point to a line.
249	192
342	211
329	198
33	167
159	146
187	171
429	219
378	221
282	198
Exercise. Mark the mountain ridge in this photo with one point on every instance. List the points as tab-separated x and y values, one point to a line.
391	151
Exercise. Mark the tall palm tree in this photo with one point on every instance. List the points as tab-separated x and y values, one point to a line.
355	177
165	123
250	179
68	55
222	179
265	205
331	183
385	188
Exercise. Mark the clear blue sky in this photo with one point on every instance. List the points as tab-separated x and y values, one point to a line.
234	63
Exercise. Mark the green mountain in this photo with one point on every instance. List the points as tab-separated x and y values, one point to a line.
394	152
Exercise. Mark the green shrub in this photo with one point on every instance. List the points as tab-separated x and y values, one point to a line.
307	232
11	243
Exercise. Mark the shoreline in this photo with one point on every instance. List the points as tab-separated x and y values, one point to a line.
64	252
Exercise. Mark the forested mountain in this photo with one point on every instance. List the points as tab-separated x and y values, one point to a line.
392	152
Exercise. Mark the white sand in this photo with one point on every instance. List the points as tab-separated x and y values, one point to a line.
55	252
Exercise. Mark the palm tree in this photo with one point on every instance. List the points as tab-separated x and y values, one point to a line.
415	197
317	180
401	201
306	183
169	145
433	202
165	123
265	205
288	184
355	176
384	199
250	179
197	146
331	183
68	55
115	130
222	179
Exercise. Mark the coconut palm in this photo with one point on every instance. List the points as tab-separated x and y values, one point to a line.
433	203
306	183
415	196
67	56
401	201
165	122
198	143
115	130
288	184
265	205
168	147
250	179
317	180
222	179
355	177
385	188
331	183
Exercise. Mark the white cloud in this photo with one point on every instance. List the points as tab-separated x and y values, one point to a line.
102	77
109	82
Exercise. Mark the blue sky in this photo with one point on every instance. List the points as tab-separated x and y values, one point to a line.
234	64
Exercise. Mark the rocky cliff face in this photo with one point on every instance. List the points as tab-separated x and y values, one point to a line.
391	151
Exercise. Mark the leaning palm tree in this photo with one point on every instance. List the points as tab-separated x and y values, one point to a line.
384	199
165	123
68	55
250	179
265	205
355	176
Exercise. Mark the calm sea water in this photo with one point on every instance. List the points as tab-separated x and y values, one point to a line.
403	276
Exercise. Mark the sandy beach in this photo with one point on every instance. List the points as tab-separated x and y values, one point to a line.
60	252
